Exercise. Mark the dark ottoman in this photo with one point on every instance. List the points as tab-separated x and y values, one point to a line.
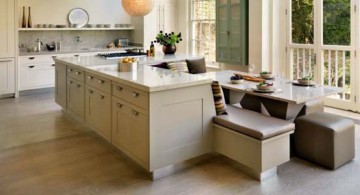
325	139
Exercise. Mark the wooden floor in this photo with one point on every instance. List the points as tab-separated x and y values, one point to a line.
43	152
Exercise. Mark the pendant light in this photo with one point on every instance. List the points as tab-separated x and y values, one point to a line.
137	7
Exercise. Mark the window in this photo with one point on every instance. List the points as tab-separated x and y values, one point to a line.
203	19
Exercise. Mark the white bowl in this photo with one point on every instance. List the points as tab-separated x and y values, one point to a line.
265	87
237	81
266	76
305	81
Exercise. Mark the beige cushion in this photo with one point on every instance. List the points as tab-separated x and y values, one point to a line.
252	123
178	66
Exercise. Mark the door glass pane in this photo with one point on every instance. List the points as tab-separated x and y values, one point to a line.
336	22
302	21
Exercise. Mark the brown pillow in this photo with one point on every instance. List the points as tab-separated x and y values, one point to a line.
196	66
220	105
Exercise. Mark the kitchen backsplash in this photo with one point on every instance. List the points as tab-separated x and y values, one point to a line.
73	39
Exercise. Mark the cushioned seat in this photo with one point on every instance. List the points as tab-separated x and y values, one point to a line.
253	124
324	138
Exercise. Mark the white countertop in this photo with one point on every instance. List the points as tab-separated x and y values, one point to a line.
145	78
286	92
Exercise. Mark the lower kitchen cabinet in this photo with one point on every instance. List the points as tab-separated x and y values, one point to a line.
7	76
37	76
75	98
60	85
98	111
130	132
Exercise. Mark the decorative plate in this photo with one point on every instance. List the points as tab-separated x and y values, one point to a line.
78	18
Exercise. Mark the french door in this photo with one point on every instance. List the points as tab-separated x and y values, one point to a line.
322	43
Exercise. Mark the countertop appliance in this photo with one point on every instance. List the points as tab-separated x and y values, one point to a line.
119	55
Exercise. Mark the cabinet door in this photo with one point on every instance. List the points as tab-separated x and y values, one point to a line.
37	76
222	41
60	85
130	131
75	98
7	28
98	112
7	76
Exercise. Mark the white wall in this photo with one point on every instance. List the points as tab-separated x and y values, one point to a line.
56	11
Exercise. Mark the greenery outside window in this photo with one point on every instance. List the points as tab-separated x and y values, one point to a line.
203	23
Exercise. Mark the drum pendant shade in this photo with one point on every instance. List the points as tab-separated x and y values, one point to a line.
137	7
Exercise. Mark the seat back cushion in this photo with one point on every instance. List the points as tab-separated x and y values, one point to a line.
219	100
178	66
163	65
196	66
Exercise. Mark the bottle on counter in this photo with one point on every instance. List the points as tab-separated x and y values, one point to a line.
152	49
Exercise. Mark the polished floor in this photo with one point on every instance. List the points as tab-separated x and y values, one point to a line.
44	152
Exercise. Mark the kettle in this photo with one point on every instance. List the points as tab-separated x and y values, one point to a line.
39	45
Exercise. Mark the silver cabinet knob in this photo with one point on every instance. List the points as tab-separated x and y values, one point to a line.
119	88
70	82
69	70
101	81
78	86
102	97
77	73
91	91
135	112
90	77
135	94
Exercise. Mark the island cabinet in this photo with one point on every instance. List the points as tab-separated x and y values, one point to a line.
98	105
75	98
60	85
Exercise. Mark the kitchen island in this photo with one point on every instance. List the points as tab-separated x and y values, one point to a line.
155	116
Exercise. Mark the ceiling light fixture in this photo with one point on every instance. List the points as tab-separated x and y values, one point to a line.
137	7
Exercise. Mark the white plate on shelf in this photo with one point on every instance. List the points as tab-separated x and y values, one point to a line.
78	17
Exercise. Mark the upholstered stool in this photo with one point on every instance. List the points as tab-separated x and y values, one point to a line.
325	139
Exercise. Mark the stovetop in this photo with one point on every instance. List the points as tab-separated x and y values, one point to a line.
121	55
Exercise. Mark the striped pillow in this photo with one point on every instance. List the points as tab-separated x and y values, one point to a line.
220	105
178	66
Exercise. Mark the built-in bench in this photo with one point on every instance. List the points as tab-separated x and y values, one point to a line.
259	143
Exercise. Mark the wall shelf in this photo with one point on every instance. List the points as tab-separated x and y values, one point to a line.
72	29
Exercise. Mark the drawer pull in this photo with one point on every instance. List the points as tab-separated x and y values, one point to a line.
135	112
119	105
70	82
31	66
101	81
91	91
135	94
31	58
52	64
119	88
69	70
76	55
90	77
78	86
77	73
102	97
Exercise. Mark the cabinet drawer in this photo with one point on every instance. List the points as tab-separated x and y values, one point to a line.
132	95
75	74
98	82
37	76
38	59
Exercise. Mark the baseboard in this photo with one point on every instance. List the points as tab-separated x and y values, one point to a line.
37	91
11	95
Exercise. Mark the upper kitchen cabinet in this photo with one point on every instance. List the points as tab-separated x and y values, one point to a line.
232	31
7	29
162	18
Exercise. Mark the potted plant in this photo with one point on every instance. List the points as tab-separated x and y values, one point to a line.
168	41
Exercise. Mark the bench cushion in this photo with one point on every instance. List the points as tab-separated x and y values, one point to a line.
252	123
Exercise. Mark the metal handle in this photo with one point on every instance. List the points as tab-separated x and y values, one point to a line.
135	94
76	55
78	85
70	82
31	58
135	112
101	81
77	73
31	66
91	91
53	57
90	77
69	70
52	64
119	88
119	105
102	97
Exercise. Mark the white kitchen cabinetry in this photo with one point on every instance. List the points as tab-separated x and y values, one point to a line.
7	76
7	28
162	18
